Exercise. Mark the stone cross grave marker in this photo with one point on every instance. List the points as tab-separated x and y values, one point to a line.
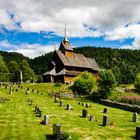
105	120
57	131
135	117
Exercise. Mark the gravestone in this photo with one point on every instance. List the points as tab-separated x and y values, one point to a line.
61	104
135	117
10	89
21	77
37	91
30	102
57	131
105	120
87	105
40	113
19	85
6	87
16	90
68	107
78	103
84	113
105	110
55	100
33	90
82	104
35	109
46	119
91	118
28	89
138	132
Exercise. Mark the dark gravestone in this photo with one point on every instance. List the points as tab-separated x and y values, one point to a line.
61	104
55	100
87	105
91	118
28	89
40	113
84	113
105	120
57	131
10	89
46	119
105	110
19	86
16	90
6	87
82	104
78	103
68	107
35	109
138	132
33	90
37	91
135	117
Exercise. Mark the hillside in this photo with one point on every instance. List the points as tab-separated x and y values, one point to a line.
124	63
12	56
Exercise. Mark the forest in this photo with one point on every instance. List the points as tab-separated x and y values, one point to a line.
124	63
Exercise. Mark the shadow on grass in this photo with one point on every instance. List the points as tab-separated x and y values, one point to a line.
133	137
50	137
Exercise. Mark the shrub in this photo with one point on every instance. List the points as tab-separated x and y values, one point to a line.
84	83
135	100
137	82
106	83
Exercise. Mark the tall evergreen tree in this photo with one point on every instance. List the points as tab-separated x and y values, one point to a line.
4	72
14	71
28	73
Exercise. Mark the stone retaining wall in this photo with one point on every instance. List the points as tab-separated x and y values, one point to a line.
127	107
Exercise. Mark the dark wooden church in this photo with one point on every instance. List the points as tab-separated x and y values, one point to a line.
66	64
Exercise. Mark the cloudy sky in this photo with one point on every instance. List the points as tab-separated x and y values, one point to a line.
34	27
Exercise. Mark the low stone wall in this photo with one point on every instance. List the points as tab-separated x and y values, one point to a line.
127	107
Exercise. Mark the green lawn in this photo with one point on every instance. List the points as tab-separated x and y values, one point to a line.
18	120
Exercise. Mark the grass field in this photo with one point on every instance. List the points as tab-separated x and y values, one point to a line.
18	120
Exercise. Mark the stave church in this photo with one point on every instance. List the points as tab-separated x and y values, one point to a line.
66	64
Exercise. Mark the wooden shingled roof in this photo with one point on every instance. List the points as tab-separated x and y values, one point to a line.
78	60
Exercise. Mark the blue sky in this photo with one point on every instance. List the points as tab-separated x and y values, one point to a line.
33	28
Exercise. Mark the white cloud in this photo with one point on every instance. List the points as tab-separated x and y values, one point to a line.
135	45
109	17
51	15
29	50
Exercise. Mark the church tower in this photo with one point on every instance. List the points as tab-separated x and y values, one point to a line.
65	46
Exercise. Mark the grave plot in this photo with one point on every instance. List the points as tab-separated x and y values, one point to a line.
19	118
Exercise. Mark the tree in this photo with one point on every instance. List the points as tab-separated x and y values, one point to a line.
28	73
84	83
106	83
137	82
14	71
4	72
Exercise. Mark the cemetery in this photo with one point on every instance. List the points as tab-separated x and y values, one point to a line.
35	112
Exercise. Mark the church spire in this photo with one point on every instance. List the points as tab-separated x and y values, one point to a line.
66	41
